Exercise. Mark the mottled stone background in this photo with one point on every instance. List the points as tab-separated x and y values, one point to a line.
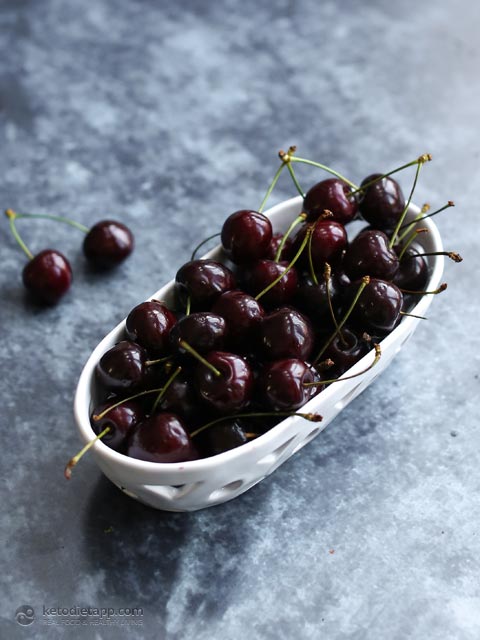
169	115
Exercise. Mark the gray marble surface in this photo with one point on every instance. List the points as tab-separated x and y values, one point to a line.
169	116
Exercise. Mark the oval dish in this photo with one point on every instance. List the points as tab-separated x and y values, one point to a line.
189	486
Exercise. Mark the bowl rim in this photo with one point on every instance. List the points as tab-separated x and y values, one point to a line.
81	405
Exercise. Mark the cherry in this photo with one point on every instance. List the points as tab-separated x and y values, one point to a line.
378	308
123	367
381	203
121	419
246	236
370	254
329	239
181	398
413	271
230	388
285	333
107	244
162	437
224	436
203	330
312	298
47	276
243	315
345	351
332	194
274	246
202	282
281	384
263	273
149	324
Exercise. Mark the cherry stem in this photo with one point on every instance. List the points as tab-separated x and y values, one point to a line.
456	257
188	306
312	417
294	178
44	216
327	273
199	246
200	358
251	436
325	168
410	239
385	175
412	315
73	461
162	393
310	261
99	416
441	288
378	354
149	363
271	187
363	284
287	269
11	215
420	162
421	216
301	218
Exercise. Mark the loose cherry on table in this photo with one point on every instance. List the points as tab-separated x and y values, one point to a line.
107	244
47	276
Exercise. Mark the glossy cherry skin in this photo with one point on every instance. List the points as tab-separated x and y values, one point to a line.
285	333
121	420
378	308
229	392
107	244
203	281
382	203
275	243
370	255
203	330
123	368
413	272
312	299
223	437
329	239
331	194
181	398
246	236
344	353
281	384
149	324
162	437
242	314
262	273
47	276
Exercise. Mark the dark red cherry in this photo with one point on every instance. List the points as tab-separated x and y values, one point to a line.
413	271
47	276
312	299
224	436
246	236
332	194
203	330
378	308
162	437
274	246
285	333
382	203
121	420
203	281
281	384
181	398
345	353
262	273
370	255
232	389
329	239
149	324
242	314
122	368
107	244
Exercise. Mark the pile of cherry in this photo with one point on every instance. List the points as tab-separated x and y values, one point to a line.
252	339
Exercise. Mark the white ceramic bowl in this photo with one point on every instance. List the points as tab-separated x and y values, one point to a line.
202	483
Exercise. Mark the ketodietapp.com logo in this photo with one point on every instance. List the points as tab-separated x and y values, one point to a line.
75	615
25	615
